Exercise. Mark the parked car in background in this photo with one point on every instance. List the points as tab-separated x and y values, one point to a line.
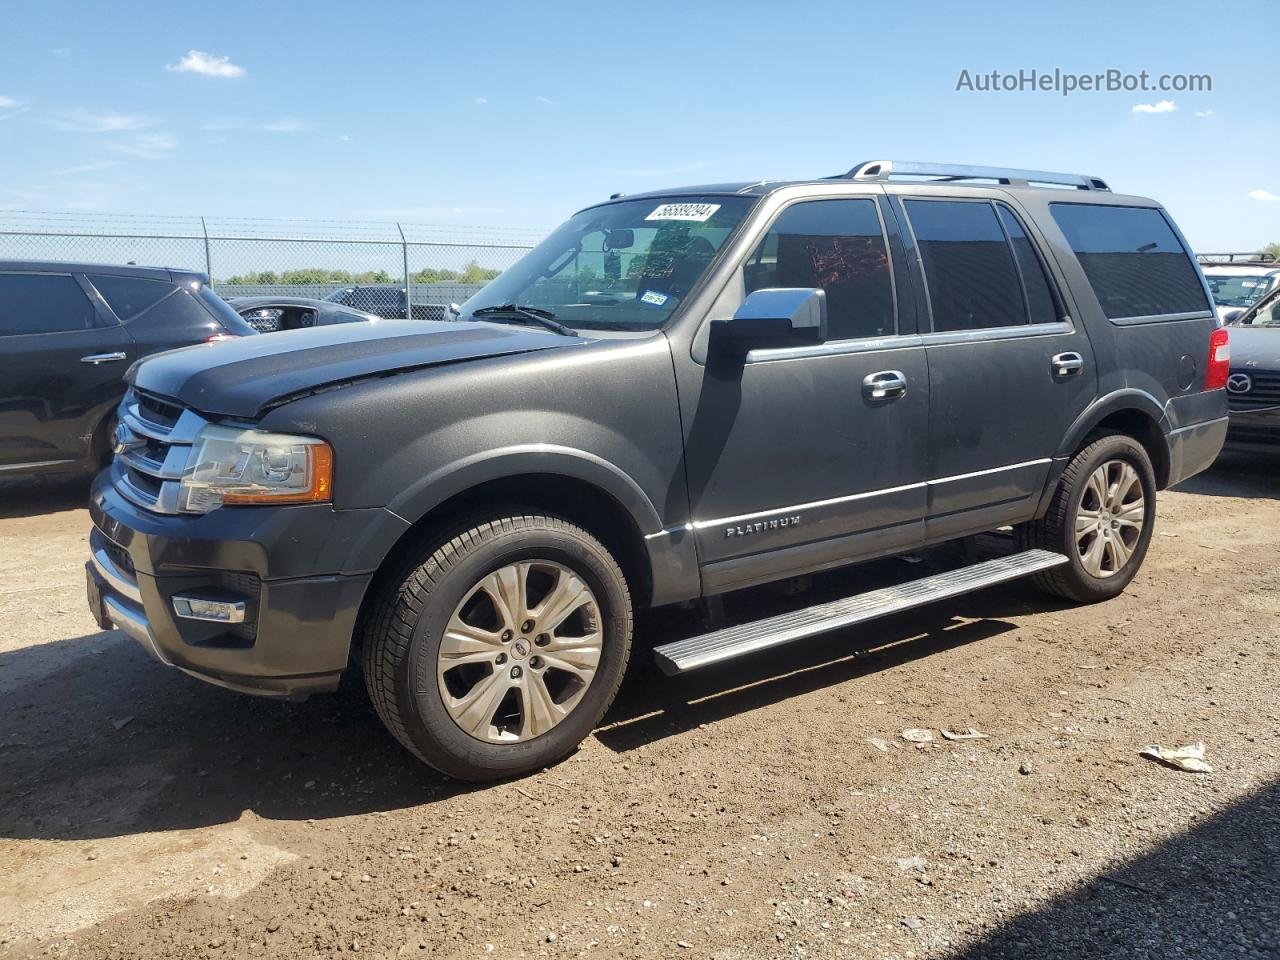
1238	286
269	314
1253	388
388	302
769	379
68	332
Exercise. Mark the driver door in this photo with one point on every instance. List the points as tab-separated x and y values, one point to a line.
794	464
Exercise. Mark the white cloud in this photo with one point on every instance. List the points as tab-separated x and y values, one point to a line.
147	146
344	138
279	125
1164	106
1263	195
547	100
107	121
14	107
61	51
481	101
283	125
81	168
1204	113
206	64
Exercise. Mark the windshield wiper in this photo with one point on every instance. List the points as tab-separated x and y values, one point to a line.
543	318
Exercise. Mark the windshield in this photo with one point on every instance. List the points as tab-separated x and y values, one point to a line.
1264	315
1238	291
338	296
621	266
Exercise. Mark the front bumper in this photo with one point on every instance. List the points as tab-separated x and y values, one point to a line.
285	563
1255	430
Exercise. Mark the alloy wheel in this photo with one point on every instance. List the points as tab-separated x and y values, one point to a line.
520	651
1110	519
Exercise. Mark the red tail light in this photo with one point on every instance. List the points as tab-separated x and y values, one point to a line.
1215	374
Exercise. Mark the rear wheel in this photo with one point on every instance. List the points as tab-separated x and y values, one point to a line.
1101	517
497	650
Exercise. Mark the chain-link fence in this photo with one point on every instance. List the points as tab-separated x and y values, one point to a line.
392	269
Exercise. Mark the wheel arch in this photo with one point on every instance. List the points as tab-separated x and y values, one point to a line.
578	487
1135	413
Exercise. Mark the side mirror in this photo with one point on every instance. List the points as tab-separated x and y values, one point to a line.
777	317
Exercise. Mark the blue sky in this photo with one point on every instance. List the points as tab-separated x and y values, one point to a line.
515	114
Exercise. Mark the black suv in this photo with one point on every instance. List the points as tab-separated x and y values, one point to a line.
675	395
68	332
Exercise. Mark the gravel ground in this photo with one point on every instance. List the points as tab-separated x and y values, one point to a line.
740	813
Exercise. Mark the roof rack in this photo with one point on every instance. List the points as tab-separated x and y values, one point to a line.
954	172
1238	260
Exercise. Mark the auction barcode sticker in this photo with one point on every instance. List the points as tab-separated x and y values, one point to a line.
699	212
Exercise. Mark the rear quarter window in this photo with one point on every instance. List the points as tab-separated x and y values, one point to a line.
129	296
1134	261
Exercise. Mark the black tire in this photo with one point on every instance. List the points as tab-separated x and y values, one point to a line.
405	622
1055	531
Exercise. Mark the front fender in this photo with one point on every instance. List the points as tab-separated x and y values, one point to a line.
672	561
462	475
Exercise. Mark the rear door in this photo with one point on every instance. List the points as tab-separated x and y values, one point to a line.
61	363
1009	369
794	462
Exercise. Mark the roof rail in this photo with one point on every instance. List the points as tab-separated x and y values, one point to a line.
949	172
1246	259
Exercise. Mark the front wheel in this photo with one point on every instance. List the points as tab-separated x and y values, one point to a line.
496	651
1101	516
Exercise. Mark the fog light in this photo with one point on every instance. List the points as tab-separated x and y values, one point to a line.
217	611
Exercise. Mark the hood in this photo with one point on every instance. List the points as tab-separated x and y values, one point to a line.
243	377
1255	347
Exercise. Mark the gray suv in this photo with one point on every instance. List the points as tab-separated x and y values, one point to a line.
674	396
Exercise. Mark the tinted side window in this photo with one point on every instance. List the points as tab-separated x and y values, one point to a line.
968	265
129	296
1133	259
42	303
1039	297
836	245
181	314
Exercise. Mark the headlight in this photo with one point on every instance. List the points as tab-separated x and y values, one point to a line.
229	466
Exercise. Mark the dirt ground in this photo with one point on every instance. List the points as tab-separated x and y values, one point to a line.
737	813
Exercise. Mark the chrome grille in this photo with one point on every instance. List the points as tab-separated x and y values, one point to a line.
1263	389
152	444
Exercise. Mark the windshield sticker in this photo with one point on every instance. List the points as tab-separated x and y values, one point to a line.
697	212
654	298
1248	283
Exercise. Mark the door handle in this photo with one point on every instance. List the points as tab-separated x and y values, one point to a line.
885	385
97	358
1067	364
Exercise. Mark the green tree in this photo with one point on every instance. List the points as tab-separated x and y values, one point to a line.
1270	252
472	272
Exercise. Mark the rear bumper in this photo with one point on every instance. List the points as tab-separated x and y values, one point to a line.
1193	448
296	634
